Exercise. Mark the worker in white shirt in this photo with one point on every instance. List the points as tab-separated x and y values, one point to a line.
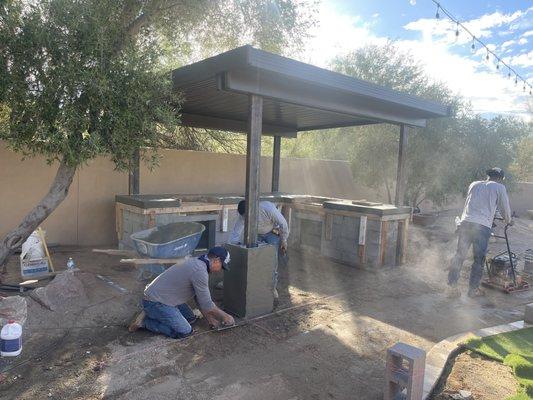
475	228
272	228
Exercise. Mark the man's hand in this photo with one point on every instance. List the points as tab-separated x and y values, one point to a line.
212	321
228	320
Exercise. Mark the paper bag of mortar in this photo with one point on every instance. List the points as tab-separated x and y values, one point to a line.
32	248
33	261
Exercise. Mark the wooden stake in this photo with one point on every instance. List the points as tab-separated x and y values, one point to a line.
43	241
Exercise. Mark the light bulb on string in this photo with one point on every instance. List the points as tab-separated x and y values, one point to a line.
510	71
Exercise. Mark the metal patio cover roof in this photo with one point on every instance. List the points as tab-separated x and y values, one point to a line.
297	96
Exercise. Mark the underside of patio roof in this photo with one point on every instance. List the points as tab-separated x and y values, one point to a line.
296	96
260	93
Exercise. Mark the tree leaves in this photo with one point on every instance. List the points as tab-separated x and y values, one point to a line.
85	78
442	159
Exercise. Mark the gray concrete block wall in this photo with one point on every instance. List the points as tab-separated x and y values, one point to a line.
392	238
294	236
131	223
311	233
223	237
307	230
344	243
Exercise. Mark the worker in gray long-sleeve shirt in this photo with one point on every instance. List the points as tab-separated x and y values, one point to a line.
272	228
165	308
483	198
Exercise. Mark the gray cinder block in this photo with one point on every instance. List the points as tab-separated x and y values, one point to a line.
404	371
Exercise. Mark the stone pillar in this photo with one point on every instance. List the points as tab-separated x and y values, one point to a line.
248	283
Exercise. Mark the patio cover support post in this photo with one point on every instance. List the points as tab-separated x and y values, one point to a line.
400	175
276	161
134	174
253	159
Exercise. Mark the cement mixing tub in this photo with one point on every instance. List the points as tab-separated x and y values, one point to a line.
178	239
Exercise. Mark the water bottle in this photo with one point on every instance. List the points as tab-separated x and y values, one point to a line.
11	339
70	264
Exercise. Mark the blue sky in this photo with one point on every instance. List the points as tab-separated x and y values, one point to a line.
506	26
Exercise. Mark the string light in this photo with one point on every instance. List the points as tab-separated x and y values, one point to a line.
458	25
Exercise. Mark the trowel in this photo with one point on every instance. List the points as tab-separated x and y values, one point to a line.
223	327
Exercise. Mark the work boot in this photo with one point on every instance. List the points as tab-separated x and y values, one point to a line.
453	292
478	292
137	322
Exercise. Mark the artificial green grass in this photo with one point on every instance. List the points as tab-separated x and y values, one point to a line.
514	349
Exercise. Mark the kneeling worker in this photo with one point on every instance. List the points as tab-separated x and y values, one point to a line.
164	305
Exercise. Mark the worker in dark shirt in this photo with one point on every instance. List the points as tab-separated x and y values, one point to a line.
165	308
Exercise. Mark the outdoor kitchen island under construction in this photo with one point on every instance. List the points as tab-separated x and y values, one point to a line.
353	232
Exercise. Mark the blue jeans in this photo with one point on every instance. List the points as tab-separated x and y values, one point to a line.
170	321
274	240
477	236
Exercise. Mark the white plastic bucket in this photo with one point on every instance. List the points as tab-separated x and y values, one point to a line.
11	339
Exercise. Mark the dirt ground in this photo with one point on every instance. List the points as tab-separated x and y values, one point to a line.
484	378
327	339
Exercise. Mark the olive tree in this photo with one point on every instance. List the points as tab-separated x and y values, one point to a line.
87	78
442	158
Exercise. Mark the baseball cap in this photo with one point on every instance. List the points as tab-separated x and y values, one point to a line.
223	254
496	173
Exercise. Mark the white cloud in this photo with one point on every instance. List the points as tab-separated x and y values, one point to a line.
525	22
478	82
471	76
375	15
522	41
527	34
525	59
336	35
444	29
507	44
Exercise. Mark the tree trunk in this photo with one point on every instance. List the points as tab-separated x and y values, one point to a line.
57	193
